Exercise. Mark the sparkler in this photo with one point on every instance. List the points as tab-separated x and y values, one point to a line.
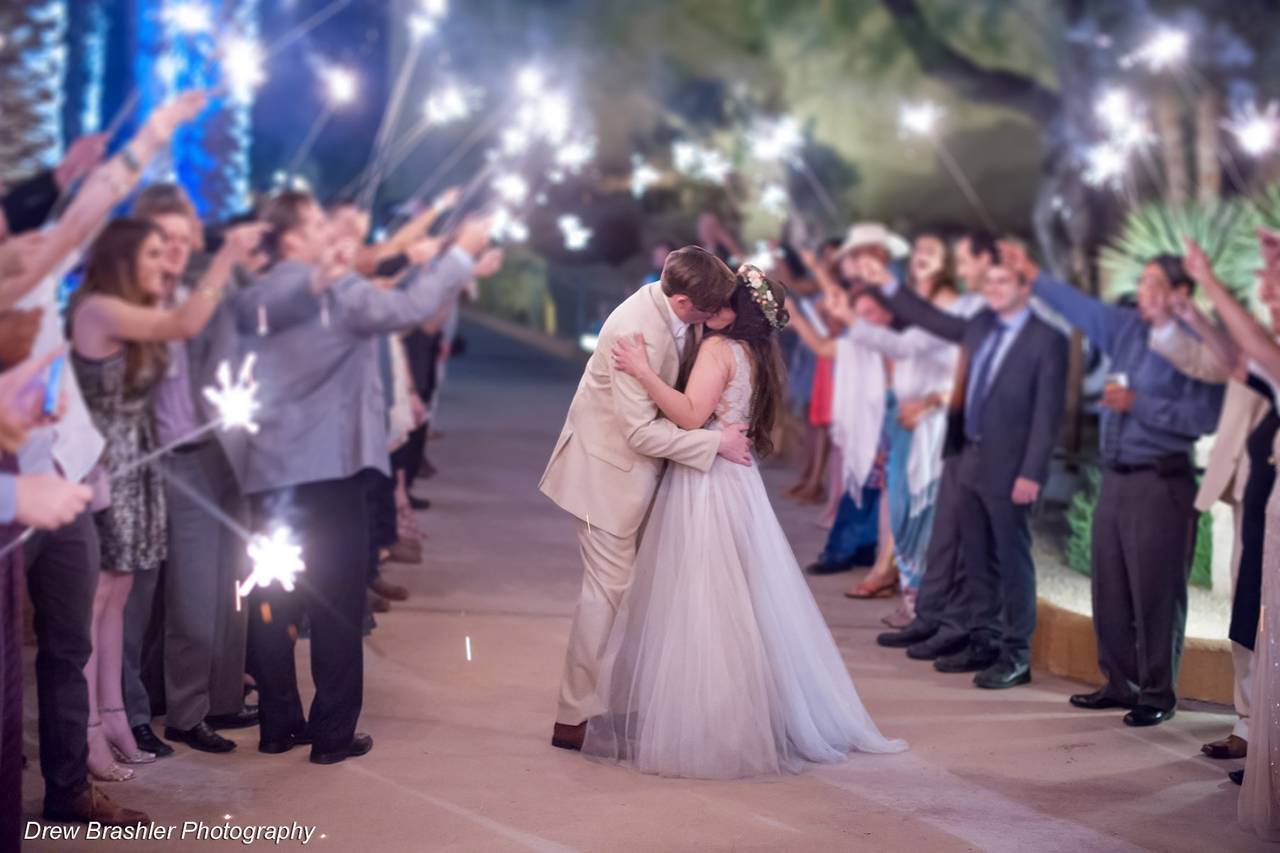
1166	48
779	140
775	199
573	156
242	65
340	84
276	559
700	162
919	119
507	228
511	187
188	18
1105	164
922	119
643	176
340	88
1257	131
576	235
446	106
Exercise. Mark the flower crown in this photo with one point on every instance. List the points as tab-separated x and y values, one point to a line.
761	294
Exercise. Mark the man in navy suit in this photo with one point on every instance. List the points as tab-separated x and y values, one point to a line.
1006	408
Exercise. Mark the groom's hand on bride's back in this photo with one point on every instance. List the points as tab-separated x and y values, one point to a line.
734	444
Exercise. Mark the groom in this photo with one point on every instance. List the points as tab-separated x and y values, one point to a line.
611	453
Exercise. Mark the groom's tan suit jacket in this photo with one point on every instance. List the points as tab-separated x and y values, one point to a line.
609	457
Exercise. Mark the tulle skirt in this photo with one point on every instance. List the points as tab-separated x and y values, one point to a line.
719	664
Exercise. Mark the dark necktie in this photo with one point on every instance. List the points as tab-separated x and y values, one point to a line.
981	381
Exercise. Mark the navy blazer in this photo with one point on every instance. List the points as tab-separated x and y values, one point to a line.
1025	399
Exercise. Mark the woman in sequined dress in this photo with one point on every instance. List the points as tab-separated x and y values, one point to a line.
118	352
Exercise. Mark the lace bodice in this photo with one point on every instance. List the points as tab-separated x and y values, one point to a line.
735	403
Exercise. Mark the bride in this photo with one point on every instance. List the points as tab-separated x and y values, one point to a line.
720	664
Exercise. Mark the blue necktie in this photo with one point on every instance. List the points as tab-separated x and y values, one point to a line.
978	399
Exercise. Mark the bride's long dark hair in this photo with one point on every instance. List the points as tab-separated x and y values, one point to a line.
753	328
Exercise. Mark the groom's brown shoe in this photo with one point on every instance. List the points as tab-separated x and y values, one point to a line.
568	737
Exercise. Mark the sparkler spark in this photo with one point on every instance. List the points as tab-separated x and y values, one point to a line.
700	162
576	154
779	140
1257	131
775	199
919	119
448	105
513	188
340	84
576	235
529	81
236	400
242	60
1105	164
643	176
1166	48
188	18
1124	121
276	559
507	228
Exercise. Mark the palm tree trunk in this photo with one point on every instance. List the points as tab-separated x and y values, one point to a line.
1208	164
32	66
1168	118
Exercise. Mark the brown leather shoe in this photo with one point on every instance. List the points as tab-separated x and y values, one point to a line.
91	804
377	603
568	737
1229	747
389	591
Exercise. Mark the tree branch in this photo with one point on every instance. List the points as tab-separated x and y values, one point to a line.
970	79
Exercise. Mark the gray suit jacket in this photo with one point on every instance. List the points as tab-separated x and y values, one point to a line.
324	416
1025	400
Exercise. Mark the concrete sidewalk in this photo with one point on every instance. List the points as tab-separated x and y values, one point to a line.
461	758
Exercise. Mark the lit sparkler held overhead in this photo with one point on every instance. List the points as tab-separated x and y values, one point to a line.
576	235
1168	47
778	140
643	176
920	118
1256	131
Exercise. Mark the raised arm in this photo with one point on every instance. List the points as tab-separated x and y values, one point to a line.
821	346
1209	355
115	319
105	188
1255	341
691	409
913	343
371	310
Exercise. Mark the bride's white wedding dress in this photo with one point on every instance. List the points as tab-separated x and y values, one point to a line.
720	664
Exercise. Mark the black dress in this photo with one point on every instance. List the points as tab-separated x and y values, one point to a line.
1247	602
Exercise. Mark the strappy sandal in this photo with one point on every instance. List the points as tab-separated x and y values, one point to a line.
138	756
113	773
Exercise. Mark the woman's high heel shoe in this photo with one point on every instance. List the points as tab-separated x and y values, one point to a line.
112	772
137	756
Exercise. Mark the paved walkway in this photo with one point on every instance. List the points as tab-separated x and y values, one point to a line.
462	762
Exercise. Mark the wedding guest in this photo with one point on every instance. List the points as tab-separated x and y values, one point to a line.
1240	473
1144	524
801	376
922	374
304	466
1003	426
941	625
203	634
42	501
118	334
1258	810
63	559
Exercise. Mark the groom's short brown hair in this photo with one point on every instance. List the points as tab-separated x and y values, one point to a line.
699	275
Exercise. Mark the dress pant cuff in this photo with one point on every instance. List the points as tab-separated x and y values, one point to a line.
1241	728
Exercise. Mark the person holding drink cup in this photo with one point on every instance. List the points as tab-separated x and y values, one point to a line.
1144	524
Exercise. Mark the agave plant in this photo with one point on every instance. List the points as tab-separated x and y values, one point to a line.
1223	228
1266	206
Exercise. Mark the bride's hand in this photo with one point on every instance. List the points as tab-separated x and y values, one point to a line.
630	357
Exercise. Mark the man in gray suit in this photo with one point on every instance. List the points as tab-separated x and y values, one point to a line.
1003	425
323	423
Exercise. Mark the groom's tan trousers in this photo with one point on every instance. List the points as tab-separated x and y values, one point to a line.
608	564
